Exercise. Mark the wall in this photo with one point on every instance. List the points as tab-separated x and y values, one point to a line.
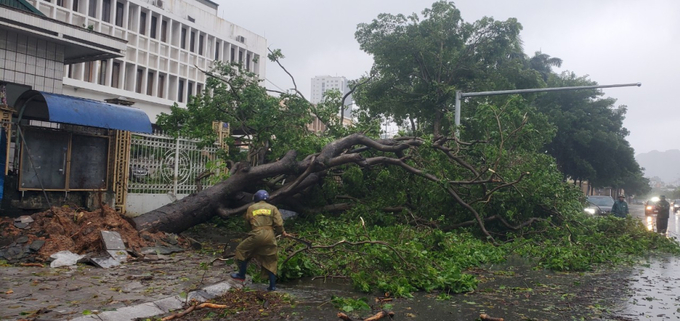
27	60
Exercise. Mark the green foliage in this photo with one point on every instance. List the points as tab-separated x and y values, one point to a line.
421	61
422	259
417	259
582	245
269	126
590	143
349	304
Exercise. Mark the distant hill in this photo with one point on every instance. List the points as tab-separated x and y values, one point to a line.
665	165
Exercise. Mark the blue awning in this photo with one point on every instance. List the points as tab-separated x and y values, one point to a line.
57	108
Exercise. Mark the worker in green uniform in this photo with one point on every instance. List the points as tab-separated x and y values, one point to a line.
620	207
265	222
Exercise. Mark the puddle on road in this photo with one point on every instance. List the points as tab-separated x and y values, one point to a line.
653	292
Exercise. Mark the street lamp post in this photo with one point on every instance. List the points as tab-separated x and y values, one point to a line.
460	94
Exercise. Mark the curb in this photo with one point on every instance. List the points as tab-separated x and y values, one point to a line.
162	306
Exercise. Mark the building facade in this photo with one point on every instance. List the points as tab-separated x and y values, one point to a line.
169	43
322	84
54	149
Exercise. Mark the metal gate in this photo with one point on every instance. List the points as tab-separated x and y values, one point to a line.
163	168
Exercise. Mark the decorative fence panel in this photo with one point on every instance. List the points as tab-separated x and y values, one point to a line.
162	164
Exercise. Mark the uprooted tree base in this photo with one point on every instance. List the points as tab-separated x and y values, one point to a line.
66	228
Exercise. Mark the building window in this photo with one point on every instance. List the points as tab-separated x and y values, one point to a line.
161	85
240	57
106	11
154	21
199	89
248	62
75	5
180	93
142	23
200	44
119	14
183	38
190	90
102	72
217	50
140	75
233	54
90	68
164	31
93	9
115	74
192	41
149	83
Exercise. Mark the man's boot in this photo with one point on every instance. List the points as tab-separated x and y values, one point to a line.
272	281
241	275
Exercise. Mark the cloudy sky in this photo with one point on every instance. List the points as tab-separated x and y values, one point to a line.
611	41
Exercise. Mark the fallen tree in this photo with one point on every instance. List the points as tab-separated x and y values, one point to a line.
293	163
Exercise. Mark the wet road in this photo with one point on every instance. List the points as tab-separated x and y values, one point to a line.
653	288
648	291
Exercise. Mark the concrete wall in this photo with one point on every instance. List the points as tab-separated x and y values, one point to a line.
138	204
27	60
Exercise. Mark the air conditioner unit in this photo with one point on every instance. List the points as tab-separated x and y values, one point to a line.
158	3
241	39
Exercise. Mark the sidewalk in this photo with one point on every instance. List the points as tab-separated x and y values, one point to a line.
135	289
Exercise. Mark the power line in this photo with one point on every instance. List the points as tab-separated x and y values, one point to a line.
279	88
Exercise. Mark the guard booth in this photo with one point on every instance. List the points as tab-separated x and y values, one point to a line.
63	150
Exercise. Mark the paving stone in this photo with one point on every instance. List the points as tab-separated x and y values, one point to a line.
112	240
36	245
132	312
161	250
87	318
21	225
169	304
118	255
22	239
132	286
195	295
104	261
218	289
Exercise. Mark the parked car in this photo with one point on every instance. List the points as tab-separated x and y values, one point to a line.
599	205
675	205
650	206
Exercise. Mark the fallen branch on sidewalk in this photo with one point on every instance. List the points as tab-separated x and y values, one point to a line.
375	317
380	315
486	317
194	307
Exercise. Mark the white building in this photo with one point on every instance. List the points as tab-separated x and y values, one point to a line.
169	42
322	84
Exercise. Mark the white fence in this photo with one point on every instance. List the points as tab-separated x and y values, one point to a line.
163	169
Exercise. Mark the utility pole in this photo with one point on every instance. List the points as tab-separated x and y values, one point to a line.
460	94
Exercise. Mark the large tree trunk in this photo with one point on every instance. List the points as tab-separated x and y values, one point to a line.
200	207
231	196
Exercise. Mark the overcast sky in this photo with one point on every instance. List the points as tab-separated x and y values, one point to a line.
611	41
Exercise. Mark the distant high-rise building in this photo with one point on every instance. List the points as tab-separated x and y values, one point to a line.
322	84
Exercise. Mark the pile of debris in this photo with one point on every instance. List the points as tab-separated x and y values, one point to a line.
103	237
